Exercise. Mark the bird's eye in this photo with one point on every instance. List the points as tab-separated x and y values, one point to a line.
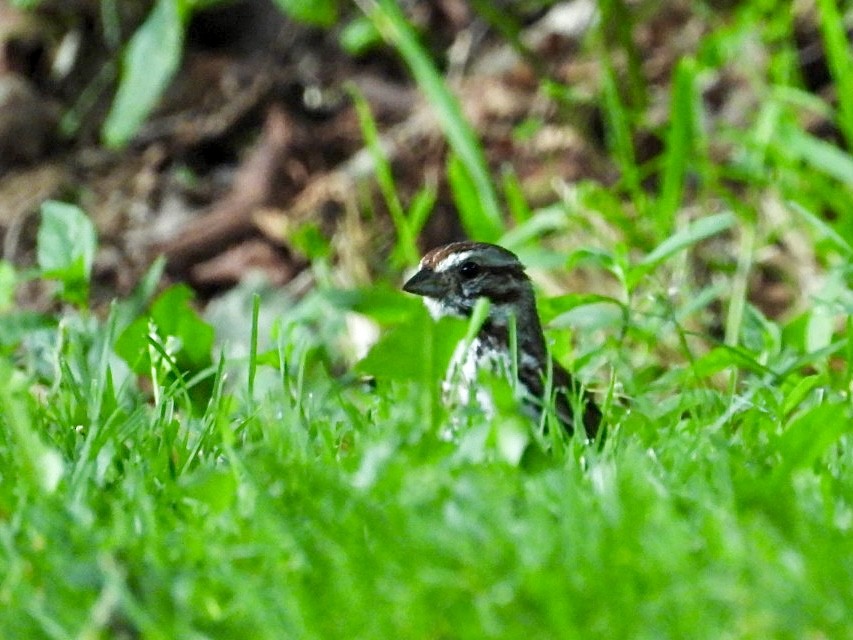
469	269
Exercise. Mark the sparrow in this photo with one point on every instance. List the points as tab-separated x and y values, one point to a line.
451	279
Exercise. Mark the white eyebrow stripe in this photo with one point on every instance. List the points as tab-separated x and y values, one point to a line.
452	260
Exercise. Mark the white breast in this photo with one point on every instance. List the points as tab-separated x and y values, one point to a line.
463	374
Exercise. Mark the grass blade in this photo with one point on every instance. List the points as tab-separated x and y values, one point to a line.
406	251
253	347
819	154
693	233
682	128
840	60
822	228
391	23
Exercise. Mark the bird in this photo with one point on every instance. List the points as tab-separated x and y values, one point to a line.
451	279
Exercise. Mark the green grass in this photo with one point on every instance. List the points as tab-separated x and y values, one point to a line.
330	512
152	487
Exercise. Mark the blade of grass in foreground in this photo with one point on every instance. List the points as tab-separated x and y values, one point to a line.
391	22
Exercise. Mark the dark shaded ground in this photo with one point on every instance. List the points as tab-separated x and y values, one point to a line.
257	140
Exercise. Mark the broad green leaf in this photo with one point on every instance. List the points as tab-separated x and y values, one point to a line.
693	233
14	327
173	316
543	221
597	258
148	64
808	436
67	241
820	328
418	349
381	303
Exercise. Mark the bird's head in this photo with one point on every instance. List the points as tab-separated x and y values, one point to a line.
453	277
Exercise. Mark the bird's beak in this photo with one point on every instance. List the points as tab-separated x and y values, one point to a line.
425	282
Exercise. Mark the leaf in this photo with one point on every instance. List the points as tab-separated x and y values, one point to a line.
149	62
67	241
14	327
819	329
309	240
322	13
595	257
799	391
618	130
819	154
397	356
359	36
551	308
213	487
543	221
172	316
692	234
822	228
808	436
381	303
129	308
592	312
515	198
723	357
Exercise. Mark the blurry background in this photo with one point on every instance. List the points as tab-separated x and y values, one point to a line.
224	135
676	175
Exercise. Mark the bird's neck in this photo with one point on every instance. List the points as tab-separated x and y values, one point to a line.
530	340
